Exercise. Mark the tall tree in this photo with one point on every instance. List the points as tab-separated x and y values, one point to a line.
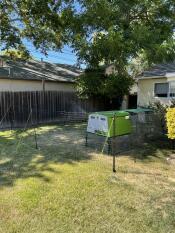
101	31
118	31
124	33
39	21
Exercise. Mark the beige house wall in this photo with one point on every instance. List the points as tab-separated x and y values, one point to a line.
27	85
171	79
146	91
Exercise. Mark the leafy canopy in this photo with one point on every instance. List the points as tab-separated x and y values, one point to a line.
96	82
38	21
130	34
100	31
118	31
14	54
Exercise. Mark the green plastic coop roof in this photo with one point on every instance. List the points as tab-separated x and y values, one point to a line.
139	110
112	113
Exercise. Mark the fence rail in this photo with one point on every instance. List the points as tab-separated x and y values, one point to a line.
16	108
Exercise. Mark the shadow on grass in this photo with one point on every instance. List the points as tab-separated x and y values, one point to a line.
145	151
62	144
19	159
151	150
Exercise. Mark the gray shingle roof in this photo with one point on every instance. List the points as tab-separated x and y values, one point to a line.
159	70
35	70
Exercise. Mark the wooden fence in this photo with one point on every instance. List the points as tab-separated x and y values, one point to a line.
18	109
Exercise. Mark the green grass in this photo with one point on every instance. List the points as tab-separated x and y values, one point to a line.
65	187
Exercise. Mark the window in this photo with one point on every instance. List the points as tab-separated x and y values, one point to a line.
172	89
161	89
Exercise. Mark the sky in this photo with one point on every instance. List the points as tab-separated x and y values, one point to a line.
64	57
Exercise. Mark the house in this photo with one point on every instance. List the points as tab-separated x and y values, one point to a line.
34	92
19	76
157	84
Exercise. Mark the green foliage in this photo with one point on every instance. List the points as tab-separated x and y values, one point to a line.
137	65
41	22
161	110
13	54
98	83
90	83
119	31
117	85
129	34
170	118
100	31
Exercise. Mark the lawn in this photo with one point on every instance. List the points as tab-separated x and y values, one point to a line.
65	187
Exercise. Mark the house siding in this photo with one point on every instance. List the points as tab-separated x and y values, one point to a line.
146	91
27	85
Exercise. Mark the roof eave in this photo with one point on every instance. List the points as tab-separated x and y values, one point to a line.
150	77
46	80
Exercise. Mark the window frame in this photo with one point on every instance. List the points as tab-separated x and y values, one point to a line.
170	89
168	93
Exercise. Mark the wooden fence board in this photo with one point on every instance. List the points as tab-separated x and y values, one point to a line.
44	107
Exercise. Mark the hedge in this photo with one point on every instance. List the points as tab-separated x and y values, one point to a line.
170	119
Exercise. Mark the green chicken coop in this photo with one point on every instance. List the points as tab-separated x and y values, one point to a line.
110	123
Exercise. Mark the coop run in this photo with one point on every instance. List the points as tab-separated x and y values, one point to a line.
114	124
109	124
116	129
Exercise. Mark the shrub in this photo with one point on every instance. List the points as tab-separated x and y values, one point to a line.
95	82
161	111
170	119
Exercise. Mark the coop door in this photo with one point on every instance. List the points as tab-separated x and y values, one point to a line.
97	124
92	124
103	124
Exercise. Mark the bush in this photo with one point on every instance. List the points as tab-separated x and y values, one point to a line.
161	111
170	119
